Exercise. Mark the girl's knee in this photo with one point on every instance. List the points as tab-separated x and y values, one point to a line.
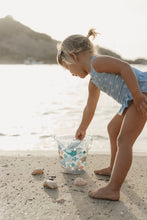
114	126
123	141
112	129
120	141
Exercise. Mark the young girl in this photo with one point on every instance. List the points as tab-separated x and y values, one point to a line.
126	85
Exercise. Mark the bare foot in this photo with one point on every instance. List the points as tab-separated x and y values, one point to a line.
104	172
105	193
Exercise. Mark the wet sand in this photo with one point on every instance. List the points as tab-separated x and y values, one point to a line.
22	195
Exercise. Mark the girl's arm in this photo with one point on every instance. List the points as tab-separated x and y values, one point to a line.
89	110
112	65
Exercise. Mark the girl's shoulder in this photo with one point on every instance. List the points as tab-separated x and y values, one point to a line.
103	63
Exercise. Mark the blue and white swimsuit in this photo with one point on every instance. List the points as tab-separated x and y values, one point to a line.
115	86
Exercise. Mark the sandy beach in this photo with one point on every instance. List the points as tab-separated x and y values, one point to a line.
22	195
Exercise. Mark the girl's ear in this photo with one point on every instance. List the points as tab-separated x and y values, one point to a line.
73	56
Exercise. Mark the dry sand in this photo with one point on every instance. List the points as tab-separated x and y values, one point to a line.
22	196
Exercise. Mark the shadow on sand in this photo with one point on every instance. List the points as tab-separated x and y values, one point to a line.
94	209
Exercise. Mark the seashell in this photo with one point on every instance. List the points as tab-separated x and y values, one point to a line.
50	184
80	182
74	144
60	200
37	172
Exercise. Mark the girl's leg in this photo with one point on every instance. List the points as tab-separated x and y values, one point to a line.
113	131
132	126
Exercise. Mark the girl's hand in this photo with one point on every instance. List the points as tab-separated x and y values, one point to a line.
80	134
141	103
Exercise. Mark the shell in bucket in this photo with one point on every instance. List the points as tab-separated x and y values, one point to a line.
73	153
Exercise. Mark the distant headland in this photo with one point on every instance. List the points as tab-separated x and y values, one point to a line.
21	45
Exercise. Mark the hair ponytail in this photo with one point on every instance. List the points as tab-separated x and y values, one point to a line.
92	33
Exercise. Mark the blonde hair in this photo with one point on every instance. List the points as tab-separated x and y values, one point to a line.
75	44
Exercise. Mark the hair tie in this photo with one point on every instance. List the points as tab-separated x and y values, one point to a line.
60	52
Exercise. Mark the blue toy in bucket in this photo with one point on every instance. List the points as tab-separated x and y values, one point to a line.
73	153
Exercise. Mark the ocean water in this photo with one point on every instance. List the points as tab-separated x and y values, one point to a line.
38	102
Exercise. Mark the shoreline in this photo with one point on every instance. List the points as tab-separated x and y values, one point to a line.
24	197
49	153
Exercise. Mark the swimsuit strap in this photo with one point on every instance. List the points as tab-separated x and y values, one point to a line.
92	59
92	70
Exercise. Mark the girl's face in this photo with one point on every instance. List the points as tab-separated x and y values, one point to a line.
76	70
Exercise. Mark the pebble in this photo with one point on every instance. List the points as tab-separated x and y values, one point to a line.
6	165
37	172
80	182
52	177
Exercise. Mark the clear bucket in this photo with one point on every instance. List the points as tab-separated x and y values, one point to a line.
73	153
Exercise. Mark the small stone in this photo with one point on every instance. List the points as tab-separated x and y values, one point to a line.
6	165
80	182
37	172
52	177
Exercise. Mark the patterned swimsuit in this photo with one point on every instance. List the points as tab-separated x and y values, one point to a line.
116	87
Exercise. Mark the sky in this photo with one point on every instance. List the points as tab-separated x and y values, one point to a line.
122	24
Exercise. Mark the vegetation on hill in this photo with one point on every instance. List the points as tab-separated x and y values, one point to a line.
19	44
